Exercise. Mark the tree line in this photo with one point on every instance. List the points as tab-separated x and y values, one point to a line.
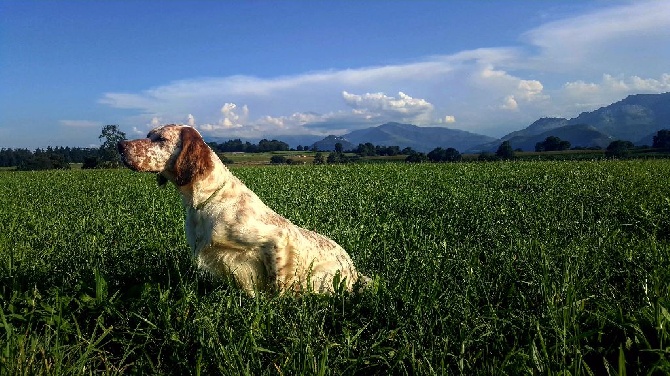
42	159
106	155
60	158
237	146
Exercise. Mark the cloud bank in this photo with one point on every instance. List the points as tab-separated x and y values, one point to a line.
557	69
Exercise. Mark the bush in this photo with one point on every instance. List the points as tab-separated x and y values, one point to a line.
505	151
662	139
618	149
416	158
278	159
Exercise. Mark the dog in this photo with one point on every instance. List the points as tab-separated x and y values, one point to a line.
231	232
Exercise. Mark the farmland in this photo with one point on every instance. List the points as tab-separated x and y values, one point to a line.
480	268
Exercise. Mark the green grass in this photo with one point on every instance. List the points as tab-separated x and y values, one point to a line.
492	268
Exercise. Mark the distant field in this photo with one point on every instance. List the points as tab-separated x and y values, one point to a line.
298	157
264	158
482	268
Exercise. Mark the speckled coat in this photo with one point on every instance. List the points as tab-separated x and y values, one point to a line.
229	229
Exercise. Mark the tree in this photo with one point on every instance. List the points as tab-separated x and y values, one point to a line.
278	159
338	148
334	158
442	155
111	136
416	158
43	161
552	143
662	139
90	162
318	159
505	151
618	149
486	156
366	149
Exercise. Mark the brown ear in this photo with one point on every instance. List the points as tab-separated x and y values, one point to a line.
194	160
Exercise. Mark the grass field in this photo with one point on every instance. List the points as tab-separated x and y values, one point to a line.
482	268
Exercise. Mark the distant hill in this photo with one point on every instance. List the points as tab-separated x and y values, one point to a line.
581	135
524	136
632	119
328	143
423	139
636	118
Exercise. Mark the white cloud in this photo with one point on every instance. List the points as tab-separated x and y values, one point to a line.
559	69
609	89
510	103
617	38
404	107
232	117
190	120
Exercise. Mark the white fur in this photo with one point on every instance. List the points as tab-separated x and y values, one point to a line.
230	230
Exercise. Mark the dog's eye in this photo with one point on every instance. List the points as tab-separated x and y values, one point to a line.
156	138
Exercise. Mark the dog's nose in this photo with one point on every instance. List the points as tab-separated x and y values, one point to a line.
120	146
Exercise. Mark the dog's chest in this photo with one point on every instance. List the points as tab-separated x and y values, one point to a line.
199	228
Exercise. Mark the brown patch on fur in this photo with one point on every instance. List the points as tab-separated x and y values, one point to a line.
133	153
321	241
285	265
194	159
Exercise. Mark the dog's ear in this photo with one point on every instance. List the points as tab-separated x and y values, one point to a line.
194	160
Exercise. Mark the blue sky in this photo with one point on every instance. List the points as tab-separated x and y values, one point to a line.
265	69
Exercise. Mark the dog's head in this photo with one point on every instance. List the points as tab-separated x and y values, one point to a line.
176	152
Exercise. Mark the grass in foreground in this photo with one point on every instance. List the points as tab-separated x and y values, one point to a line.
502	268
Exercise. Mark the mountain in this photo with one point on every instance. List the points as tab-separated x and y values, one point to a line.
636	118
423	139
579	135
515	138
328	143
632	119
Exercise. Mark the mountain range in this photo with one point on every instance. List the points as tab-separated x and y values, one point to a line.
423	139
636	118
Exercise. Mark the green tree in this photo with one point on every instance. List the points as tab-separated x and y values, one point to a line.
278	159
110	136
416	157
444	155
44	161
505	151
318	159
487	156
662	139
367	149
618	149
333	158
552	143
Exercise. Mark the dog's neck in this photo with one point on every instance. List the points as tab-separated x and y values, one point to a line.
198	193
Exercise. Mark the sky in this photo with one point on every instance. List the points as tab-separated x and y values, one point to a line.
263	69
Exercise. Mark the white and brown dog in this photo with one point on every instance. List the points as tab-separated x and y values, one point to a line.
229	229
